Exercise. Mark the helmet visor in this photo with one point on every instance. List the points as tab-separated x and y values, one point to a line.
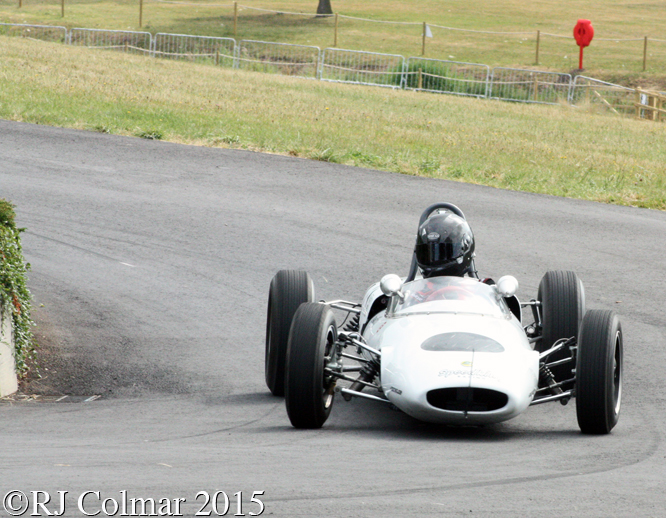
438	254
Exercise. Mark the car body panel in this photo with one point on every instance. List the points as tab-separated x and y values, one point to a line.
458	335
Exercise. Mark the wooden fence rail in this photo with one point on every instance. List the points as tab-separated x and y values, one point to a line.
649	105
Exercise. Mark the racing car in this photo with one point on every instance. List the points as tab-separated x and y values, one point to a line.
443	345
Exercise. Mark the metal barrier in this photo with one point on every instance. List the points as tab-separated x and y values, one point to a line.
38	32
616	98
365	68
450	77
278	58
529	86
124	41
200	49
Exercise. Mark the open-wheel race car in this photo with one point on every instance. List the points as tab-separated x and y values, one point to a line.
443	345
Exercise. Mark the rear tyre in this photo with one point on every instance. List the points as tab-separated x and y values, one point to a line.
289	289
599	372
562	298
308	391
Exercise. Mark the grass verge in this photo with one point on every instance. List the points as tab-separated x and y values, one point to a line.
544	149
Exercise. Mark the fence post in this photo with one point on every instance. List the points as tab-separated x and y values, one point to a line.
140	13
62	8
423	38
420	79
638	103
20	4
335	31
217	56
537	46
644	53
235	18
660	105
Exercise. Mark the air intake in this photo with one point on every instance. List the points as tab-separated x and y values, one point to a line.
467	399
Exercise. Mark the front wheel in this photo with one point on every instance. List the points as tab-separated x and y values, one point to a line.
562	299
312	344
289	289
599	372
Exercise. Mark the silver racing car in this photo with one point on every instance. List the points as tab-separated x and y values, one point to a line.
443	345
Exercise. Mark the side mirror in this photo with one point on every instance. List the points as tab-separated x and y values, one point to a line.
390	285
507	286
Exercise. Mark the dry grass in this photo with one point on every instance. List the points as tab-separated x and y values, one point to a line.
556	150
604	59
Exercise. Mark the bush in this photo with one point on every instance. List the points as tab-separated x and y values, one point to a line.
446	77
14	294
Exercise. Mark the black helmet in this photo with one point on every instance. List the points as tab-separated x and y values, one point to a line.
444	245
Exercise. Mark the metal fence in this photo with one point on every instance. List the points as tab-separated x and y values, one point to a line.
199	49
278	58
358	67
530	86
451	77
124	41
615	98
38	32
365	68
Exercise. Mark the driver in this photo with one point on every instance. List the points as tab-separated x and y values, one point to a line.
444	247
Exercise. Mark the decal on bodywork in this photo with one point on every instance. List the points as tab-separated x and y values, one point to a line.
481	374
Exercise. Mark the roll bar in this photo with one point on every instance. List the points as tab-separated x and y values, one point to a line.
426	213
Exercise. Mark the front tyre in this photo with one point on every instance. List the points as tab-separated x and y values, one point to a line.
599	372
289	289
308	390
562	298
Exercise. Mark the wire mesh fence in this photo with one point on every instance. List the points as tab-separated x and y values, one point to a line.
278	58
615	98
365	68
199	49
530	86
36	32
124	41
451	77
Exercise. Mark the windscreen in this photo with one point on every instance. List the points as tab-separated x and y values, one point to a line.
451	295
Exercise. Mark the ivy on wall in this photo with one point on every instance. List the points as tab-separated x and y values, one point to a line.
14	294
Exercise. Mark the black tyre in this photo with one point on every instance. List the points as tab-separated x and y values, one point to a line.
562	298
308	391
599	372
289	289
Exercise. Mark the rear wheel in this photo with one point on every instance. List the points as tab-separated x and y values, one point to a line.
308	390
289	289
599	372
562	298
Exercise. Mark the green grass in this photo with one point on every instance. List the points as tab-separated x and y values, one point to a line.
621	19
546	149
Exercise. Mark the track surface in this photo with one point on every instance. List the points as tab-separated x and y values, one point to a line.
153	261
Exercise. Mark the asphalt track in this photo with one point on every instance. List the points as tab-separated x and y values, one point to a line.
152	262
